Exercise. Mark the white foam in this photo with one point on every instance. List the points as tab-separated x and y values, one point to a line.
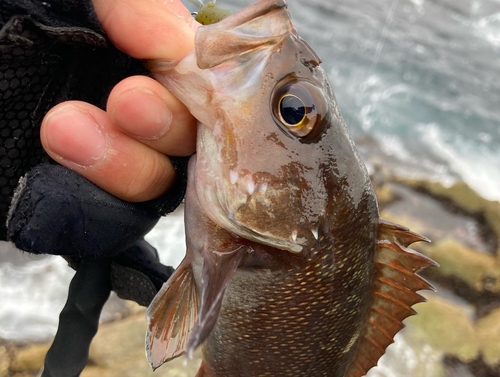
403	360
168	237
489	28
478	167
33	293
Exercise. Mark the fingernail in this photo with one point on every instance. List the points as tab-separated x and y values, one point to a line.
142	107
74	135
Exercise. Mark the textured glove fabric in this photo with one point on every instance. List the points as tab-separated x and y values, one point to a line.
57	211
137	274
50	51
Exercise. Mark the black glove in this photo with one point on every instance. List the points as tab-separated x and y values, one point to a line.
52	51
56	211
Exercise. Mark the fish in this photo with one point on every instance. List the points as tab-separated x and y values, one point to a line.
289	268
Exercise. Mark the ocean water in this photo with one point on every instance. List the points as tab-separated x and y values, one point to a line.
418	82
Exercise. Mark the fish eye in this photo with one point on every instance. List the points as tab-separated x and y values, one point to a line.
292	110
298	108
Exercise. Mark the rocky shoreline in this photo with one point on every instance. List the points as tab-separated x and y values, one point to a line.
456	334
461	321
117	351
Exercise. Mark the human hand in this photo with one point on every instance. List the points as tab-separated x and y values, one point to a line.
124	149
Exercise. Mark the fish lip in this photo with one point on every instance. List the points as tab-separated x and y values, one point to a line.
268	240
294	244
227	220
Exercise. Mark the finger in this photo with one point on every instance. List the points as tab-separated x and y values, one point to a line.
142	108
81	137
148	29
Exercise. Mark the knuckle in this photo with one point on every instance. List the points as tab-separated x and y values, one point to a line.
151	180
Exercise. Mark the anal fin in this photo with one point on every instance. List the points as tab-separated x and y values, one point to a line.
171	316
395	292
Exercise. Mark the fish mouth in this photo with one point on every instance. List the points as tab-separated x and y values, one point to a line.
261	214
268	239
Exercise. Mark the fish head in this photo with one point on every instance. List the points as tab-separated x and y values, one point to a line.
275	162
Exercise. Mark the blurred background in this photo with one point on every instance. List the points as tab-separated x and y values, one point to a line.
418	83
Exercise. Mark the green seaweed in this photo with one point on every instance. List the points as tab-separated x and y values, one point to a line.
488	329
446	328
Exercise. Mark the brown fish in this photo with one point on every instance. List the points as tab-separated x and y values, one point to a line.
293	269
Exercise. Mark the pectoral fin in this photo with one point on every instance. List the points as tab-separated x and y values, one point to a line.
218	269
395	285
171	316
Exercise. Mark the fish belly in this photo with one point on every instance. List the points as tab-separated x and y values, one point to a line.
300	321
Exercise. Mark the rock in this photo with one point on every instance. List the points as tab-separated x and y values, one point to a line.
436	219
449	327
481	271
4	361
488	330
385	194
116	351
461	325
446	327
469	265
93	371
465	198
29	358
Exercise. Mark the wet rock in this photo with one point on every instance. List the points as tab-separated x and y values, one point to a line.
464	198
117	351
457	333
385	194
476	368
488	330
456	368
446	327
4	361
29	358
93	371
434	219
461	322
480	271
462	244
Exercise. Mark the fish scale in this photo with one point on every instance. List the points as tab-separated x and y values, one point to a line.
289	269
304	323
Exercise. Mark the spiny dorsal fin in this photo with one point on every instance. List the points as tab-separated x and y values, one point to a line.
395	285
171	316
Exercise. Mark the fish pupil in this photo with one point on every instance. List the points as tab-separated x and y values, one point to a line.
292	109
